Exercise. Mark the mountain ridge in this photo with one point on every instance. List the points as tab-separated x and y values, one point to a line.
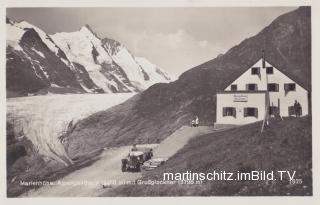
94	71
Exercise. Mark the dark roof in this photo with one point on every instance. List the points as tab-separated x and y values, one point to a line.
285	73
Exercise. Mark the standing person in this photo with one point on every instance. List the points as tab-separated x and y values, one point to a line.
197	121
134	148
296	108
192	123
299	109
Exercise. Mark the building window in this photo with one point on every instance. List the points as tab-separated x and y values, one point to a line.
273	87
289	87
229	111
255	71
251	87
250	112
292	111
269	70
273	110
234	87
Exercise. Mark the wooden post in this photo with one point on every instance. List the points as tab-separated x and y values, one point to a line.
267	103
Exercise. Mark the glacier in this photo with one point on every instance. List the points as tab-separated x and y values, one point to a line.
42	119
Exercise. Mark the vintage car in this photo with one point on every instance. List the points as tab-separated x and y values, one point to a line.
135	159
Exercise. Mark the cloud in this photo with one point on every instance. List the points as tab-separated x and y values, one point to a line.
173	41
175	52
203	43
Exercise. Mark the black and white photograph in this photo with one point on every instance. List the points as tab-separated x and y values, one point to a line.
184	101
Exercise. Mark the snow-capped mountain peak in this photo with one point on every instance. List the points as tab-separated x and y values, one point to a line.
98	65
141	75
44	37
87	31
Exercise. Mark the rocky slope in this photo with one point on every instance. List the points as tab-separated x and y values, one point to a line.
160	110
76	62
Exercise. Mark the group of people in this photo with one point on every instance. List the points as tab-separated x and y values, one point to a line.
195	122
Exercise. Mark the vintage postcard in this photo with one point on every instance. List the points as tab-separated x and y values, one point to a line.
159	101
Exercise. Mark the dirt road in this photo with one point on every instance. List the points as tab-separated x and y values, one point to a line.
107	168
178	139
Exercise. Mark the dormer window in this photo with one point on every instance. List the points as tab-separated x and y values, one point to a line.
289	87
255	71
234	87
269	70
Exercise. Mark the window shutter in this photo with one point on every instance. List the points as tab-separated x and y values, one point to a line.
247	86
255	87
277	87
234	112
256	112
224	111
245	112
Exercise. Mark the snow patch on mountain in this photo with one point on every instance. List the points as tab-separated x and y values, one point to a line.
155	73
126	61
38	52
44	37
14	35
79	45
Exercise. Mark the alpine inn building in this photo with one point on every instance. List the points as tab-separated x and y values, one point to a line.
260	89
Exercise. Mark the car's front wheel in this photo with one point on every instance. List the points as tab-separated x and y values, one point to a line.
124	167
138	168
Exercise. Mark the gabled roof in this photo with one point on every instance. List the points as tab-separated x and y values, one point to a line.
285	73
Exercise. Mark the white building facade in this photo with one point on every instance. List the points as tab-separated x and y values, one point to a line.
261	90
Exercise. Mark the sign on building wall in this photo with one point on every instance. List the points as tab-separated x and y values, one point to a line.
240	98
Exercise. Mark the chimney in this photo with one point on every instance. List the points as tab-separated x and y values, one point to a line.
263	59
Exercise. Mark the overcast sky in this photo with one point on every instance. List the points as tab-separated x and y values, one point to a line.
176	39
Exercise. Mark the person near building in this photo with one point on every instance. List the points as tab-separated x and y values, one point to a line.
196	121
134	148
297	108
